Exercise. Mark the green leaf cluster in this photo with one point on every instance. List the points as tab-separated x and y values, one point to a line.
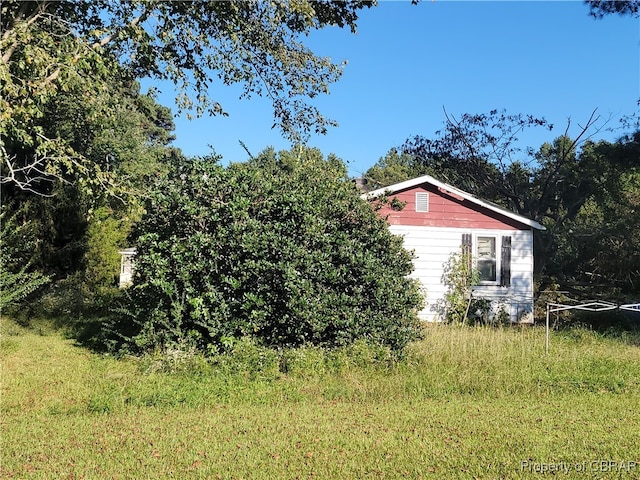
460	277
281	249
18	279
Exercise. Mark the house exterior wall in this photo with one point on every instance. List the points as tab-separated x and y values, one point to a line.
435	235
434	246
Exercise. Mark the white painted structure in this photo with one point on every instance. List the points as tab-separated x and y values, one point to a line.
438	221
126	266
433	247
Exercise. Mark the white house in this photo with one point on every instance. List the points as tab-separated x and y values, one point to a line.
439	220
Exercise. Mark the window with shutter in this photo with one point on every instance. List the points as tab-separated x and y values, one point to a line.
422	201
505	262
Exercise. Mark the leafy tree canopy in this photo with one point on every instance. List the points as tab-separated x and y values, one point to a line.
50	47
394	167
601	8
281	248
599	246
478	153
124	135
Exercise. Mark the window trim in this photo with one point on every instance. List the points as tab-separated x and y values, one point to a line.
496	257
502	252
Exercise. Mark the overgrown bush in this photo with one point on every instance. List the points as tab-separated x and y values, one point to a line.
280	249
460	277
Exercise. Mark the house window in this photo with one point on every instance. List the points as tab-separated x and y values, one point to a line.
422	201
486	262
491	268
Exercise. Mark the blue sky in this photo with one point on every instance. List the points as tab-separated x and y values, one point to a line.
407	63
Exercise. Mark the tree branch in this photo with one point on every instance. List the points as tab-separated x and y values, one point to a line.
15	173
18	22
141	18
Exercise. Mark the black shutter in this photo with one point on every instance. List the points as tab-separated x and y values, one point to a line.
505	262
466	248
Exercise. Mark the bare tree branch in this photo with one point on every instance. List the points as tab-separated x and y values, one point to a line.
22	176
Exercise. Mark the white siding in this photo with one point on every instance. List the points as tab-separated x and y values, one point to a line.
433	246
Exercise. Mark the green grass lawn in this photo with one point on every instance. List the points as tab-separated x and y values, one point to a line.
465	403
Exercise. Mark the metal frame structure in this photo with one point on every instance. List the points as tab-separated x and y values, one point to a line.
591	306
632	307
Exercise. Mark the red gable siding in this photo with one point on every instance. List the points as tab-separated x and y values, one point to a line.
446	210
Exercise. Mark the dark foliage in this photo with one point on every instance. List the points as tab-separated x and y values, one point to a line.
602	8
281	249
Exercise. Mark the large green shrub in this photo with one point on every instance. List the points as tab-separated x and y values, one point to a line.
281	249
